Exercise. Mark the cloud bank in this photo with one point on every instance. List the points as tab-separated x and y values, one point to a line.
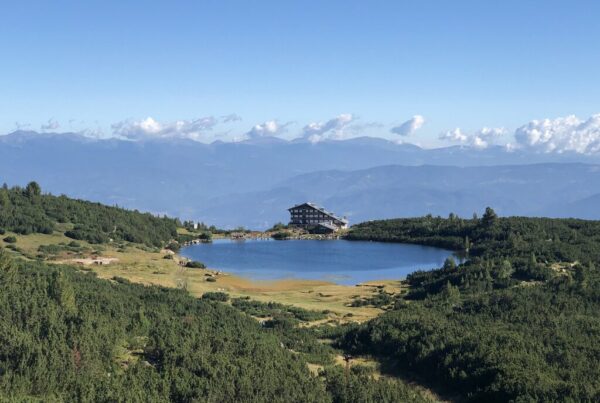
333	129
409	127
482	138
560	135
150	128
568	134
269	128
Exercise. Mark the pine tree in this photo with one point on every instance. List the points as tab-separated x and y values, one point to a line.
533	261
4	199
489	217
449	264
33	189
62	291
7	267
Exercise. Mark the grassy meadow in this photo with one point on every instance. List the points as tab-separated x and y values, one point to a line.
146	265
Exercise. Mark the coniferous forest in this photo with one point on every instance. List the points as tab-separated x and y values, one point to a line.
27	210
514	317
66	335
519	319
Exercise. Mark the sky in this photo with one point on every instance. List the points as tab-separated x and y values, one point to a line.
426	72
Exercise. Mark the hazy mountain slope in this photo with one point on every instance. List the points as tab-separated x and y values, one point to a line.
588	207
193	180
397	191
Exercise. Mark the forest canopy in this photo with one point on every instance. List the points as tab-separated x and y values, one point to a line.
517	319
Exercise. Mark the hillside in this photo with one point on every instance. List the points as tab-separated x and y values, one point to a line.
27	210
518	320
66	335
115	242
69	336
84	332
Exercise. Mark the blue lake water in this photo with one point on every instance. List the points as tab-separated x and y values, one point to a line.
338	261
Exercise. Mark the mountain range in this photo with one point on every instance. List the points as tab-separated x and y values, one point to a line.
252	183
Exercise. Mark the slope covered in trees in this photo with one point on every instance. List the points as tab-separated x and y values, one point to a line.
67	336
27	210
519	319
70	336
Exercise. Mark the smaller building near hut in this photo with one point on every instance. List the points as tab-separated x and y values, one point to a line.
315	219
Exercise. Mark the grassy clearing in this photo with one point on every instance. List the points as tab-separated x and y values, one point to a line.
144	265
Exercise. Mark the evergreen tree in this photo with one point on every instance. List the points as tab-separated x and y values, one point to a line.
449	263
506	270
33	189
7	267
62	292
489	217
4	199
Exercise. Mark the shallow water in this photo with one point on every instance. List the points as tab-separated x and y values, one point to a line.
338	261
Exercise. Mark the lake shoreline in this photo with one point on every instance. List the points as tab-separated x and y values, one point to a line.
266	261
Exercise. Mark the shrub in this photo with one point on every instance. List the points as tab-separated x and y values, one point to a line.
281	235
205	236
211	279
173	246
121	280
278	227
216	296
195	265
10	239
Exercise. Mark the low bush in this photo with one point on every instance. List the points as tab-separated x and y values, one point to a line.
216	296
10	239
195	265
281	235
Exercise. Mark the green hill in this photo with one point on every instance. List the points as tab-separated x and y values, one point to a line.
68	336
519	320
27	210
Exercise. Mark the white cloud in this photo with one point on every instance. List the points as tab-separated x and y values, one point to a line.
266	129
52	124
332	129
482	138
560	135
568	134
150	128
409	127
455	135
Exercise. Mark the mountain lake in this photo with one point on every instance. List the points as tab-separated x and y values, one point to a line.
336	261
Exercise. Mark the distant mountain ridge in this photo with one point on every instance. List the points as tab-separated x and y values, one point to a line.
193	180
556	190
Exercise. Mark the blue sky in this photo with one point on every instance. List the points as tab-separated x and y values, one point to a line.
465	64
